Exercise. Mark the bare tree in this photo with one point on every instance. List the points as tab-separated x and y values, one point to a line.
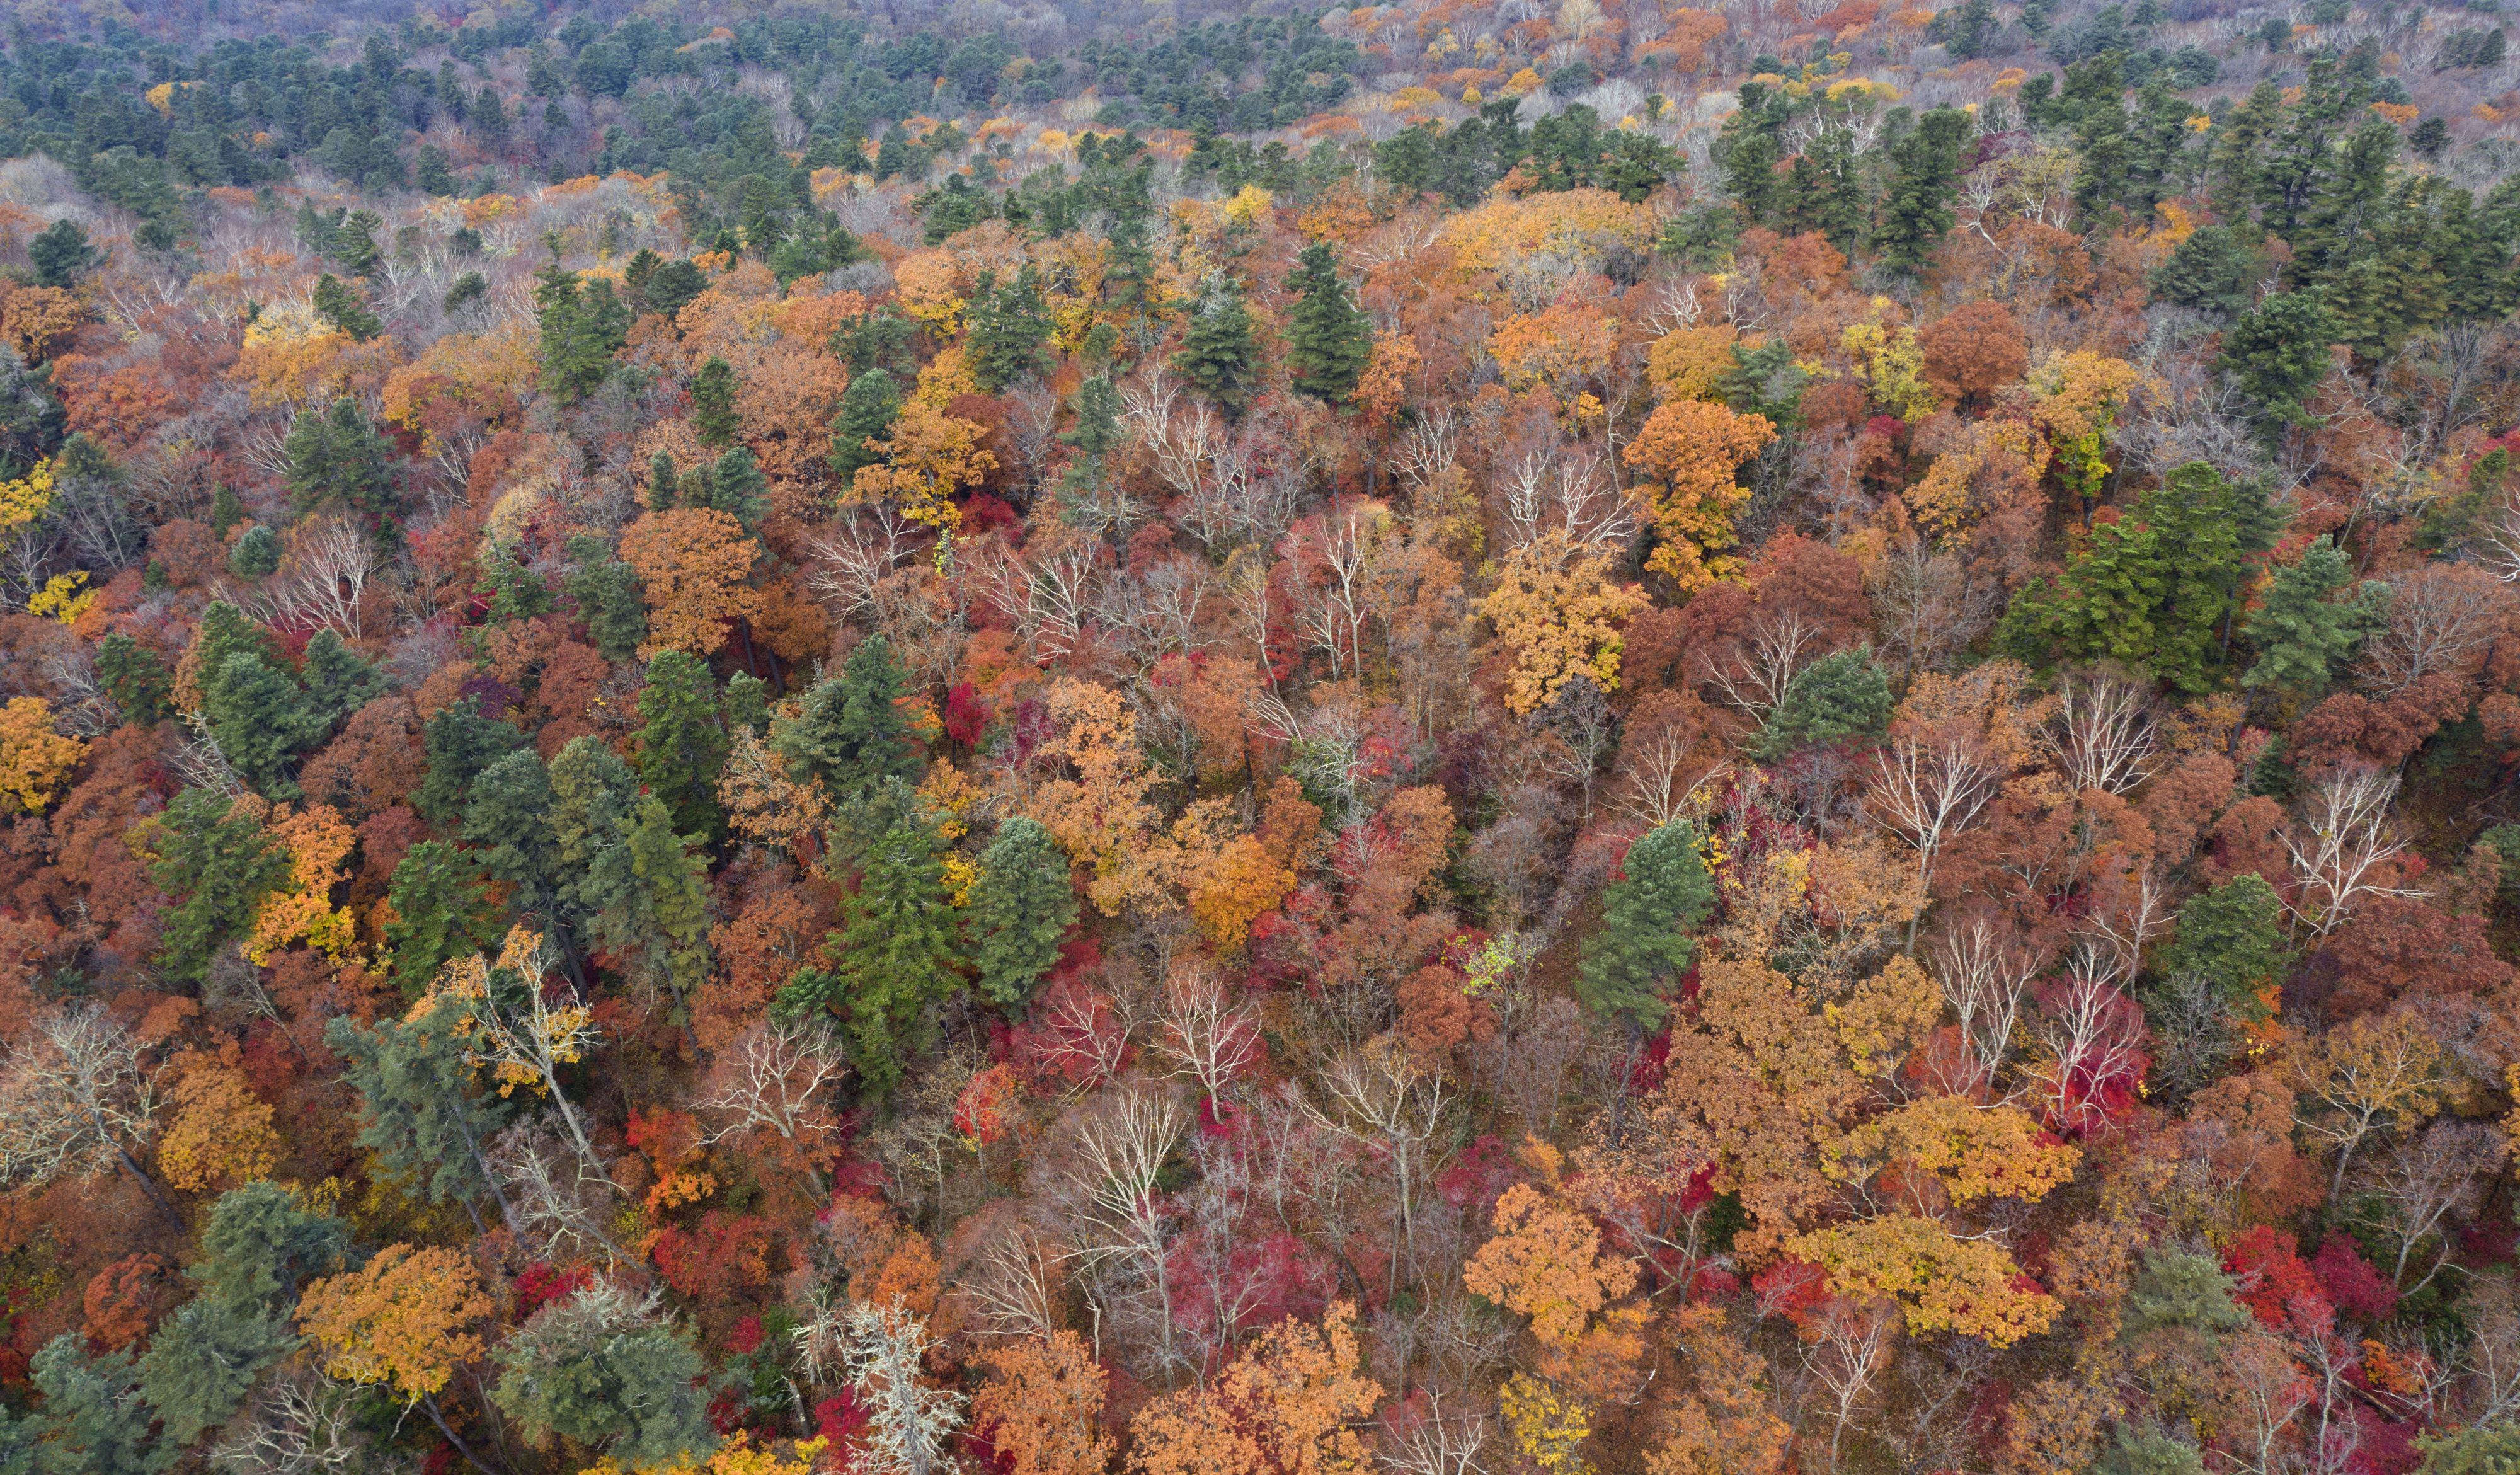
1332	604
1577	731
1438	1443
1847	1357
301	1425
775	1080
1120	1143
1564	488
853	560
1985	970
1048	598
1202	1035
1380	1100
1752	675
2102	735
2091	1030
1012	1292
1928	607
2423	1178
2343	848
1927	792
558	1199
2490	1360
1650	769
74	1103
319	582
2440	619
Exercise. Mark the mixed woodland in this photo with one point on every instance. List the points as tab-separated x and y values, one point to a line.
1455	738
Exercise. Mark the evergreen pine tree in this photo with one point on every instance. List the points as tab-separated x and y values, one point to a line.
1008	329
227	510
2277	351
1217	356
134	679
867	410
850	734
683	742
2210	271
461	743
661	489
61	254
1329	342
608	597
2155	589
713	417
1822	193
262	1243
1833	698
335	455
1633	963
628	875
1916	212
2303	633
1746	149
339	306
2234	937
673	286
420	1111
516	593
894	958
336	680
439	913
506	820
1019	908
94	1421
255	553
217	866
582	326
203	1359
734	486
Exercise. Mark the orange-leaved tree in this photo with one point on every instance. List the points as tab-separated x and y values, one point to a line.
404	1321
34	759
1689	452
1042	1407
692	561
1288	1406
1555	609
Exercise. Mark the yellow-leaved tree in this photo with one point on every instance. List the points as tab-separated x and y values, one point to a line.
318	840
1938	1282
219	1135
